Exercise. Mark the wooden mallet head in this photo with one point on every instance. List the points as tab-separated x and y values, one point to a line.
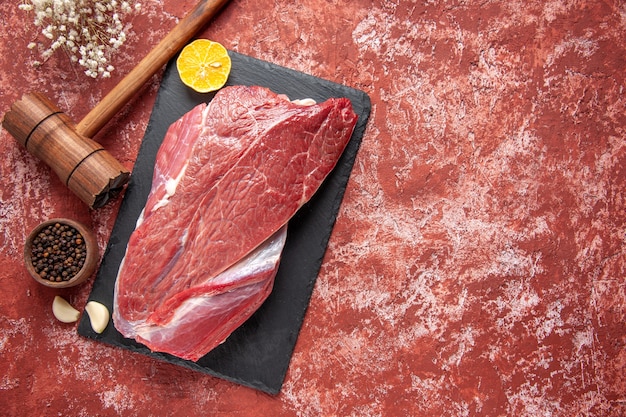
83	165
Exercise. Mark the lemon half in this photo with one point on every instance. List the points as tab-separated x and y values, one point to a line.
203	65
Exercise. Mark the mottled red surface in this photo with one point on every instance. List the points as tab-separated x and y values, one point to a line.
477	265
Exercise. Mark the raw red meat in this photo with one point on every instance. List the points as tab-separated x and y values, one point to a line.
227	178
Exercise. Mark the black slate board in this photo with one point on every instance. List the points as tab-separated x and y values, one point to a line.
258	353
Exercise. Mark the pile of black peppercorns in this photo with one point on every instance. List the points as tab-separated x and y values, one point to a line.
58	252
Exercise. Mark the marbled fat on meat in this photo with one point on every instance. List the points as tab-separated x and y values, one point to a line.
227	178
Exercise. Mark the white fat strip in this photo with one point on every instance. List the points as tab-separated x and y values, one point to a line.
172	183
140	219
304	102
170	189
299	101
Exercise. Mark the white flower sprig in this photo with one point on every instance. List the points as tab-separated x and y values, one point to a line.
88	30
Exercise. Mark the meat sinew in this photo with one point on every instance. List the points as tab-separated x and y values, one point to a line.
228	177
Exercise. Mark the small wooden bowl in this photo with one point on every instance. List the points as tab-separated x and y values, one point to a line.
91	258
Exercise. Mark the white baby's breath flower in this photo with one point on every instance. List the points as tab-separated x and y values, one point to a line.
88	30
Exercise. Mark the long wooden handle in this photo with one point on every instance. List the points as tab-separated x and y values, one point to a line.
148	66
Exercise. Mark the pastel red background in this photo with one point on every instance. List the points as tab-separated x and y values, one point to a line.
477	264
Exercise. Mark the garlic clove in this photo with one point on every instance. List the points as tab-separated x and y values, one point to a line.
98	316
63	310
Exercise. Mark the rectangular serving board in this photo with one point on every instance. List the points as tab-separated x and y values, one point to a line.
258	353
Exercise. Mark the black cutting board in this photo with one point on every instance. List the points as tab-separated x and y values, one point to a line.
258	353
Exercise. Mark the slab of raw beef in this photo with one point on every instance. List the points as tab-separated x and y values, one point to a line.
227	179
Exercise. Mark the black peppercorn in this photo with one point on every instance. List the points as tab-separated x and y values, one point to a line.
58	252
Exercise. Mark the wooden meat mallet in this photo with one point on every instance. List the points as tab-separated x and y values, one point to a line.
83	165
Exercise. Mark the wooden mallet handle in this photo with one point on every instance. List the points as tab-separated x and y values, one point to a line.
148	66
